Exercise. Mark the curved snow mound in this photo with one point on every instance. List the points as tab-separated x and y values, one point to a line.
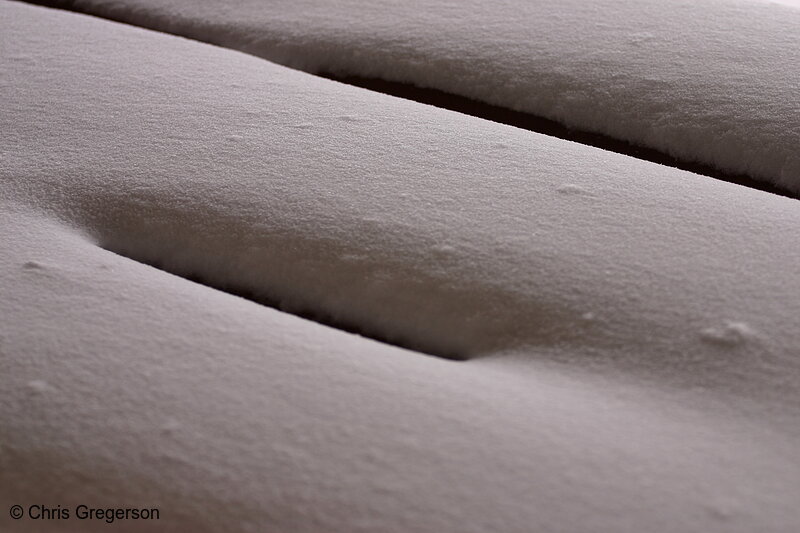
713	82
634	327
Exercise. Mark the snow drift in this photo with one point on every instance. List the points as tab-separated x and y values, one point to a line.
630	329
714	82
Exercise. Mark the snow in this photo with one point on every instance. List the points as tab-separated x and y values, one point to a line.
630	330
714	81
730	334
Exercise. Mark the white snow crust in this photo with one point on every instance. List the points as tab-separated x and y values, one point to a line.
631	329
713	81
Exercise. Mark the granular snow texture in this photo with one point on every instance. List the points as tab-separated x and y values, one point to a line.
630	330
714	81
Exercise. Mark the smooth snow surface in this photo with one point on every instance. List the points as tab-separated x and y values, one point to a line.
631	330
710	81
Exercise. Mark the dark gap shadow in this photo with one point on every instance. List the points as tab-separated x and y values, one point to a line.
546	126
311	315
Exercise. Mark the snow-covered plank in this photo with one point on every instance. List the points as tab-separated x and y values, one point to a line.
632	327
714	81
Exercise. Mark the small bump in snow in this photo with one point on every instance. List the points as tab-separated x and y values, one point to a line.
33	265
729	334
445	249
170	427
38	386
569	188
